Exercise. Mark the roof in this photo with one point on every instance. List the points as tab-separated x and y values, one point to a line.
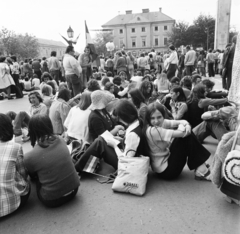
138	18
50	42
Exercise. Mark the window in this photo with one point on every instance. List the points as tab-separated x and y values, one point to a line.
133	30
120	43
133	42
120	31
156	41
156	28
143	29
165	28
143	42
165	40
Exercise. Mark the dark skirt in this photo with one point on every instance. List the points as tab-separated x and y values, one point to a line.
171	71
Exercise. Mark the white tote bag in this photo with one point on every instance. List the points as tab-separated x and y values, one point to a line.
132	175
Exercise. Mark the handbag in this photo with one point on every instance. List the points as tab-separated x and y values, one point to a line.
231	165
132	175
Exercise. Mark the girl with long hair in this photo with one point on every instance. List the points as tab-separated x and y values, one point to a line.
172	144
147	89
49	162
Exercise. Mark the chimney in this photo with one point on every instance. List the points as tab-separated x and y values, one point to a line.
160	9
145	10
128	12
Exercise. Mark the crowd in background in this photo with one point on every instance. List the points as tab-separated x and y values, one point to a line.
156	104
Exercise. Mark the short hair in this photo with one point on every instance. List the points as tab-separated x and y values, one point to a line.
40	128
109	74
143	88
6	128
26	60
171	47
126	111
46	74
14	58
47	90
137	97
188	47
64	94
210	50
175	80
85	101
181	97
105	80
53	87
62	86
37	94
2	59
139	73
69	49
117	80
195	77
93	85
208	83
108	86
35	75
187	82
53	53
43	58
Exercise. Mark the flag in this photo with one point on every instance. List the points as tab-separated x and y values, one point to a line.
90	44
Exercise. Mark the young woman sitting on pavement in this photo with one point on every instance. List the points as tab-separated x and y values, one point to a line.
49	162
171	149
100	120
198	103
14	184
128	116
178	103
21	119
76	122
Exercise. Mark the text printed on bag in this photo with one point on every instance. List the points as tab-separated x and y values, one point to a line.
130	185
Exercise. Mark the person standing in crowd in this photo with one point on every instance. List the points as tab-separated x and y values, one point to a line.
201	63
210	61
72	71
159	62
27	70
228	63
54	66
110	64
36	66
121	63
173	62
44	65
216	61
14	183
181	58
130	64
6	79
142	63
85	63
189	60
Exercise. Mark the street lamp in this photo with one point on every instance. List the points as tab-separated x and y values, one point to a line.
70	32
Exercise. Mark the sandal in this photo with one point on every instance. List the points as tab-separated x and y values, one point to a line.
200	176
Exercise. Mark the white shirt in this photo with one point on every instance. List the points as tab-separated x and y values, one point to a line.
71	65
138	80
77	124
173	59
35	82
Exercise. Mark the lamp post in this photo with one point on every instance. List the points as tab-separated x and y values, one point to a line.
70	32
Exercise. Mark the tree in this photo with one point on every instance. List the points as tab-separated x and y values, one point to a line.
179	34
24	46
199	34
101	40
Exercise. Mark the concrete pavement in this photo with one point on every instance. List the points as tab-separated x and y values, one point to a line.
182	206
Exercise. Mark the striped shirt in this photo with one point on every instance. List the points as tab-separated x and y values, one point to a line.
13	177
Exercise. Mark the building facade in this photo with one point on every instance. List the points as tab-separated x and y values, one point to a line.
141	31
47	46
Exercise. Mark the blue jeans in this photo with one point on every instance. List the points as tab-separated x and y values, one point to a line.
210	128
74	84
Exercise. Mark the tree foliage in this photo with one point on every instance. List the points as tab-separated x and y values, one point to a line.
199	34
100	41
23	46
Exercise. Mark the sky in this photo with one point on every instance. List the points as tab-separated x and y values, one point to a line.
49	18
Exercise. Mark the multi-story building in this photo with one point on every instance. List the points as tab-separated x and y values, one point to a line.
141	31
47	46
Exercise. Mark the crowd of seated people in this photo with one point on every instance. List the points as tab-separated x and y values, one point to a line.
151	114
